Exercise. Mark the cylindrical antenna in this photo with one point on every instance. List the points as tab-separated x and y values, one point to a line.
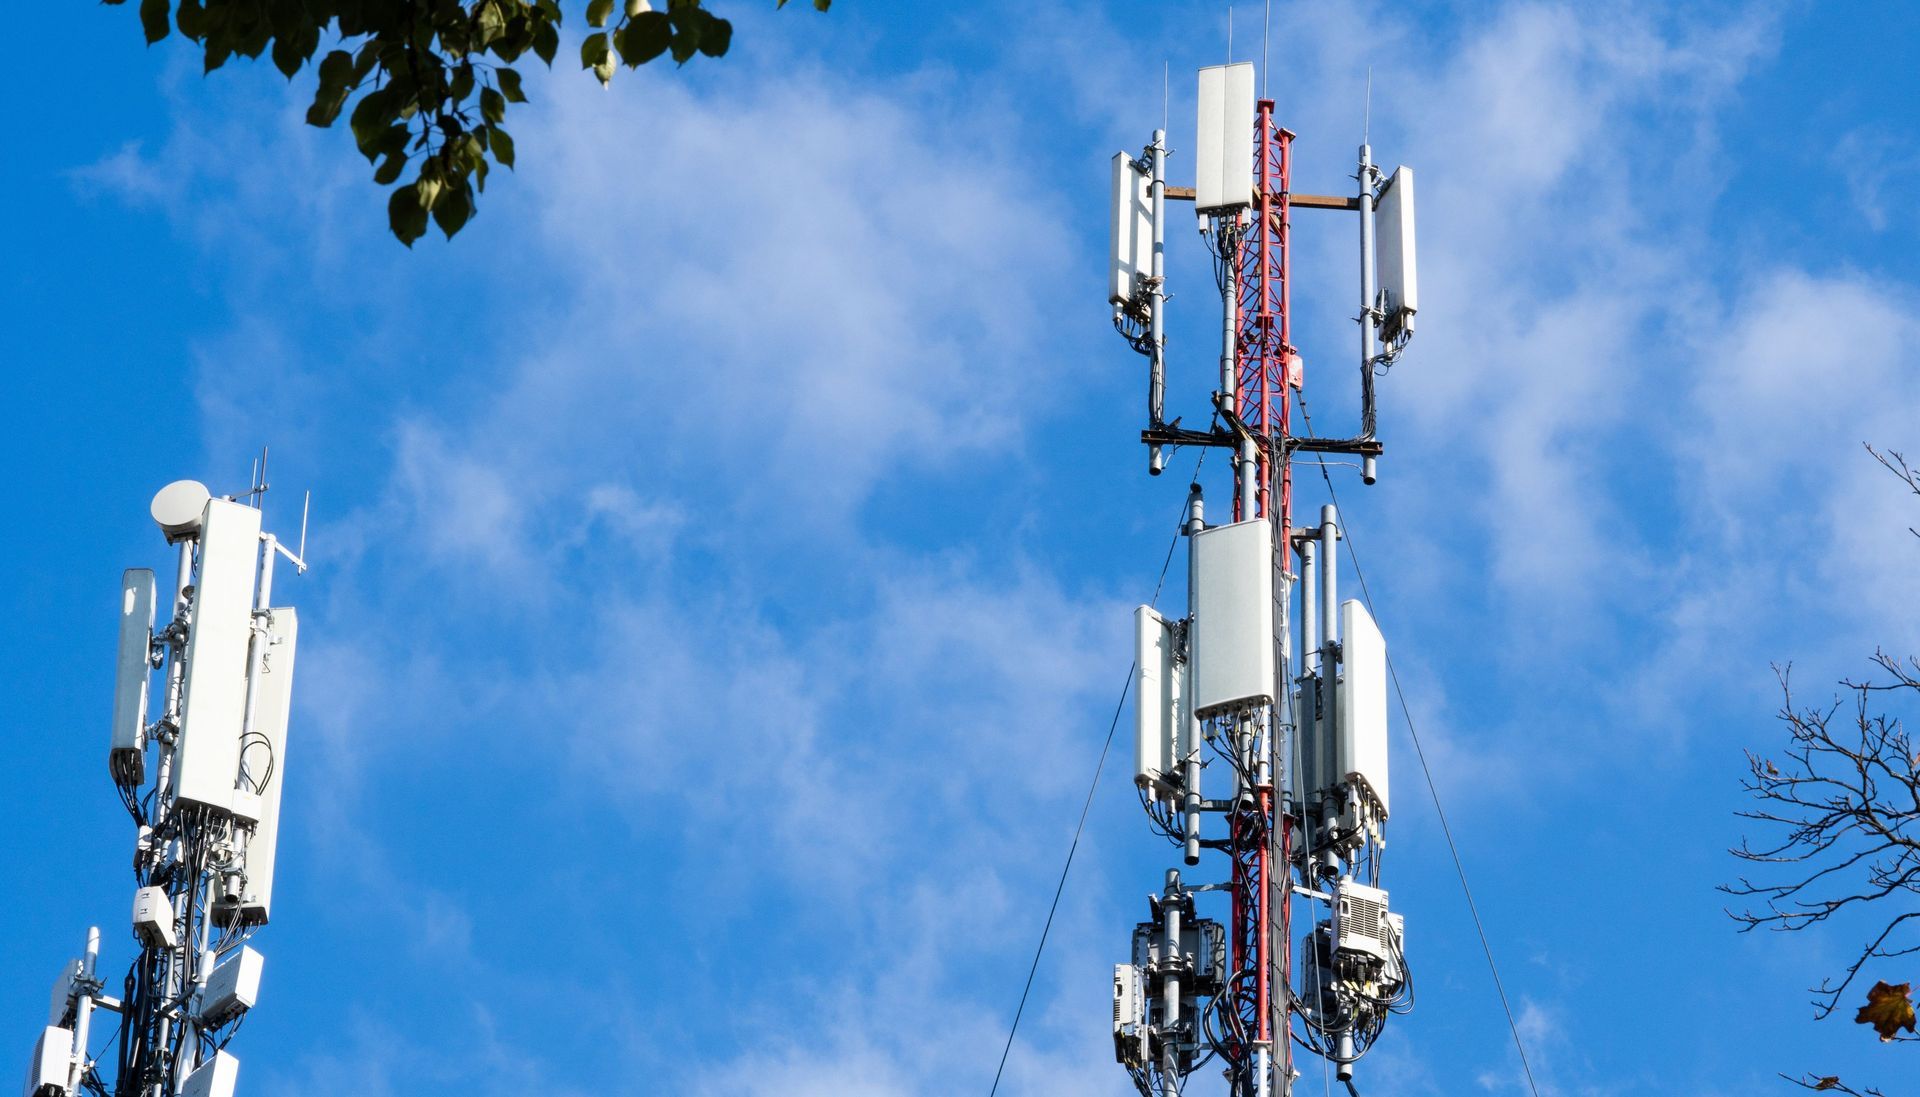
1329	584
1367	175
1309	619
1189	734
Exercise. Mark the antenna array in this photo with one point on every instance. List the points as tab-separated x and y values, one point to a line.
197	755
1301	819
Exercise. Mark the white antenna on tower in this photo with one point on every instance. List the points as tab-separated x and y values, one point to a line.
202	781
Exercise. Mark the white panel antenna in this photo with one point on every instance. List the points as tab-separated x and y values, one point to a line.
216	1077
1131	233
133	673
1399	281
1223	145
1232	637
47	1070
1362	711
233	987
207	759
263	764
1129	1016
63	989
1160	705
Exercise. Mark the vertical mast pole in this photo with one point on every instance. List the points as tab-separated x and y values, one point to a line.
1265	379
1157	295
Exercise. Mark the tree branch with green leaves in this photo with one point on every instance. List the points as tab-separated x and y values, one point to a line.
426	84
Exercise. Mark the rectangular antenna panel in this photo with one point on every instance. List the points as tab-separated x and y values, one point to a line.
1223	146
52	1059
263	764
1393	244
1231	645
1160	706
1132	231
232	988
207	760
63	992
215	1078
1362	711
1129	1016
133	671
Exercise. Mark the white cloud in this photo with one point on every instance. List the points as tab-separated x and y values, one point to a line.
1874	162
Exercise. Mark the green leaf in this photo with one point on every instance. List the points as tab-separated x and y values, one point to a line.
336	72
688	21
453	210
597	54
462	82
685	45
646	37
369	121
390	168
287	56
393	140
716	38
594	50
154	18
598	11
822	5
492	24
191	19
510	85
493	105
405	215
546	42
638	7
501	144
368	57
326	107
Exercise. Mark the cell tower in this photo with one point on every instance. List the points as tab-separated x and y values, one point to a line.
198	746
1299	742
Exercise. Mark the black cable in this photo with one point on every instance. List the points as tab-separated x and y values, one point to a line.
1088	805
1406	713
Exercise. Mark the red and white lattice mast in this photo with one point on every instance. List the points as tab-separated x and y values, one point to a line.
1303	743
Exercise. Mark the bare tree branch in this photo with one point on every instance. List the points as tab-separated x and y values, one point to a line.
1830	1084
1843	803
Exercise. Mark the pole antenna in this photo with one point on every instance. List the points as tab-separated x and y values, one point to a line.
1266	35
1366	114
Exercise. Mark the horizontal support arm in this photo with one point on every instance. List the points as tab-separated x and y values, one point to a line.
1295	201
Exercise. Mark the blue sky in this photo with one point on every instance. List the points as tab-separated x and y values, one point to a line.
724	550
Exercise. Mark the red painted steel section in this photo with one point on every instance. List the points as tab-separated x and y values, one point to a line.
1266	368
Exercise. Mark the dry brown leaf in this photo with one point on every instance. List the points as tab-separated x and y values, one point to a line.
1888	1009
